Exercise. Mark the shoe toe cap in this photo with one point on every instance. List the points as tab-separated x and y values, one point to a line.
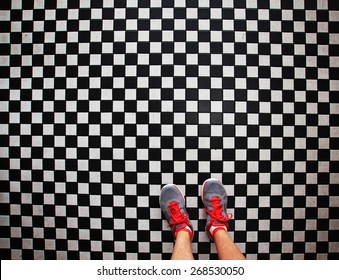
170	193
214	188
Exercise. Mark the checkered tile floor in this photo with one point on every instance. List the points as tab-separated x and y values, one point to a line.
103	102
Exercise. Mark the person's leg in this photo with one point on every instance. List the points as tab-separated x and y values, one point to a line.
182	248
226	248
172	204
214	198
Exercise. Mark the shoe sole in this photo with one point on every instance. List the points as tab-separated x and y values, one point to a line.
171	185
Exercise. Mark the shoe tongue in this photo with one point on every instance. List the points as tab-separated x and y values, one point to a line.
183	226
218	222
178	225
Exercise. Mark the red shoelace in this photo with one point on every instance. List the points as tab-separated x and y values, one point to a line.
176	215
216	212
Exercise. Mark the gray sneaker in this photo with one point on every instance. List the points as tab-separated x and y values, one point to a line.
172	204
214	198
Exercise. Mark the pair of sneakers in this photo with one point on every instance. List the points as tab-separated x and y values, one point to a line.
214	198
